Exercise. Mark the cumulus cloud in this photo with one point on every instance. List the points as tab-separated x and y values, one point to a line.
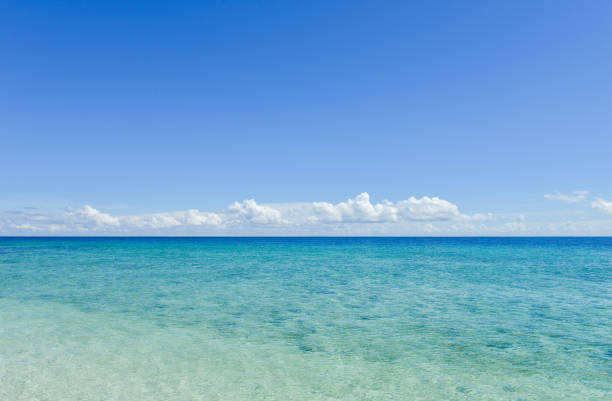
87	215
361	210
575	196
244	215
89	219
602	205
249	211
191	217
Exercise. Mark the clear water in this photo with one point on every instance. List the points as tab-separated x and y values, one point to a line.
305	319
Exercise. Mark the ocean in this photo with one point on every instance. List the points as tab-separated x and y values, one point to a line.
359	319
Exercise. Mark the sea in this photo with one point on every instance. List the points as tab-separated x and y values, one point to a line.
361	319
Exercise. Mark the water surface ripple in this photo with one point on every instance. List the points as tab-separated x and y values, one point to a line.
305	319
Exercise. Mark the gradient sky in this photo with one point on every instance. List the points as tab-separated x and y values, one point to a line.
154	107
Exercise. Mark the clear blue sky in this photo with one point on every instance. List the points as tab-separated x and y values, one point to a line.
159	106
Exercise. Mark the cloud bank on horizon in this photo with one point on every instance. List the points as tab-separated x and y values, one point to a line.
247	214
355	216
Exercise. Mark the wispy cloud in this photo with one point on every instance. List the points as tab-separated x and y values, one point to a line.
602	205
575	196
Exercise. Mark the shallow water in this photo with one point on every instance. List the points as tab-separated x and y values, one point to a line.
305	319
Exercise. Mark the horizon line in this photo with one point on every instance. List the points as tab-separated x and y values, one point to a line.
305	236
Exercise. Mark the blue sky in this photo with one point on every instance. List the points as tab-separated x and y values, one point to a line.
153	108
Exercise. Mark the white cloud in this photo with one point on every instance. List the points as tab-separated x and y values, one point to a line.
576	196
249	215
87	216
602	205
361	210
191	217
358	209
249	211
355	216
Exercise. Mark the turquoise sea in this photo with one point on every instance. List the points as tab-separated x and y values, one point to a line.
305	319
